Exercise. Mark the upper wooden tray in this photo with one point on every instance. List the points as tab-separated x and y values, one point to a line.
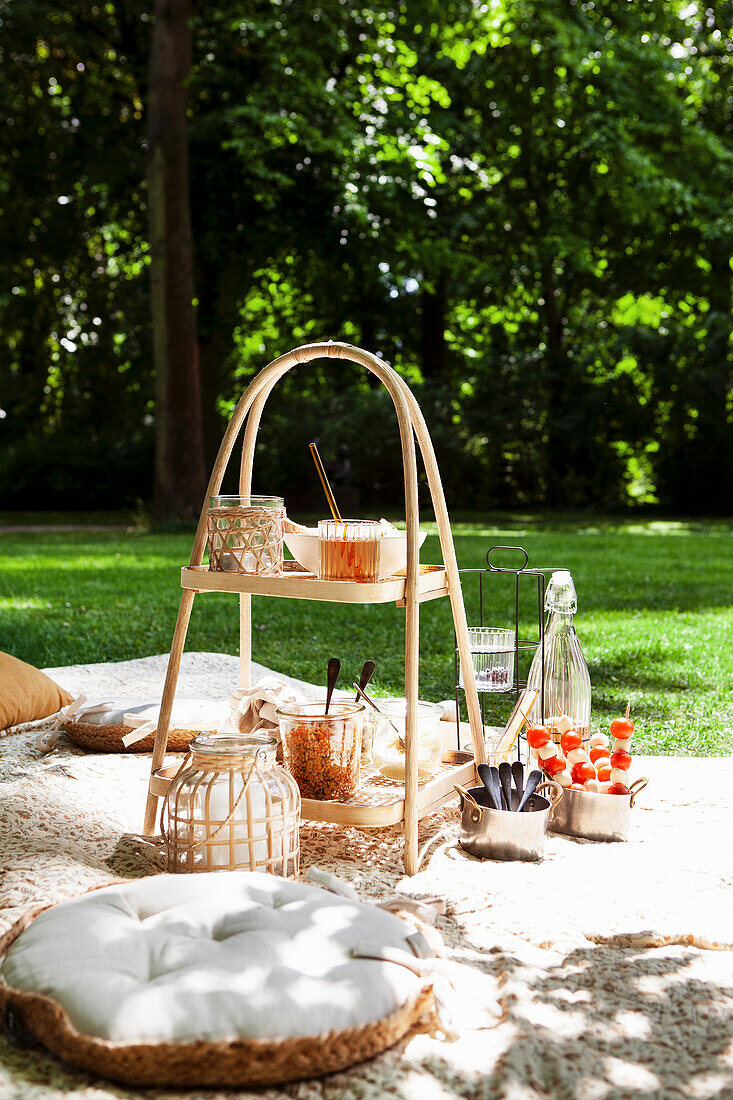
298	585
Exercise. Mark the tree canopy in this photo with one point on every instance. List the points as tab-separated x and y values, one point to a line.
524	205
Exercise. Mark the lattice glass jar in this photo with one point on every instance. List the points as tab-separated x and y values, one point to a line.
231	807
246	534
323	751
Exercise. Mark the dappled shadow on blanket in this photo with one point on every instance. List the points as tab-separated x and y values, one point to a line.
607	1023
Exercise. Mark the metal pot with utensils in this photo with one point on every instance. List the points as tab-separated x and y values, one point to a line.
490	832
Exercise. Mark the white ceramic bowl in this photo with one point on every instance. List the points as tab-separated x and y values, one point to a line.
303	545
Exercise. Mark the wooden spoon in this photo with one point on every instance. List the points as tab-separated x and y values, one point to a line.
366	674
332	675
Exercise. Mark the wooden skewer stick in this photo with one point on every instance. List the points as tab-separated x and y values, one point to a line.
324	482
628	708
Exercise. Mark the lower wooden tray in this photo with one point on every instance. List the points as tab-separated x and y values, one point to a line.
379	802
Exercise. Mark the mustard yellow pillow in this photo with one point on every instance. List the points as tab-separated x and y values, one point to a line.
26	693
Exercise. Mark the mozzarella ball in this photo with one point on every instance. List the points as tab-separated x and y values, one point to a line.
618	775
599	739
604	787
563	778
622	743
577	756
592	785
564	724
546	752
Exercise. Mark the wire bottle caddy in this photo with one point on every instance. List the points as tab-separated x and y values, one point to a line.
499	654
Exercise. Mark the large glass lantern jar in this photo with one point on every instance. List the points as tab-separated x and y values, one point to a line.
233	808
559	671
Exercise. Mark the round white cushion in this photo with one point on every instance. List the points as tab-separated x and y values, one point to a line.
212	956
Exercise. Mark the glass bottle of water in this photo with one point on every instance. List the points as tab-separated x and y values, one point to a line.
565	687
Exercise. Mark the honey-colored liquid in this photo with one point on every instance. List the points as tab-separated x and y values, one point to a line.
348	559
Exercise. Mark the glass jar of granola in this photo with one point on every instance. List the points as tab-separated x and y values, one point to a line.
323	751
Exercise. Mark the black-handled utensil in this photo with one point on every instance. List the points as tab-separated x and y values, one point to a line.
332	675
505	778
366	674
490	779
518	775
532	780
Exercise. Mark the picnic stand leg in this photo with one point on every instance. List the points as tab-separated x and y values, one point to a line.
166	705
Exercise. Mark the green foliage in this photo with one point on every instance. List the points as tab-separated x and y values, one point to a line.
653	629
525	206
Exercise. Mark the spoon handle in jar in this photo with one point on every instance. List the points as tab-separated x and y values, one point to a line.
332	675
366	674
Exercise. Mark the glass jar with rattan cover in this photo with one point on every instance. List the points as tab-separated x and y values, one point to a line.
245	534
232	807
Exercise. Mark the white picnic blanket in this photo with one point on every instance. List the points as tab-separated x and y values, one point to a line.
613	964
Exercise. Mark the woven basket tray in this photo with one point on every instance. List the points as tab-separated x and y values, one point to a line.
109	738
232	1063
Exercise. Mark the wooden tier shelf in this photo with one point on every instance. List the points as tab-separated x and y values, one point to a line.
296	584
378	803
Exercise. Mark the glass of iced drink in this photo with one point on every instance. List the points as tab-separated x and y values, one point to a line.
348	549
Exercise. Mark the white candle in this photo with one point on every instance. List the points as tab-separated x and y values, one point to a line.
245	822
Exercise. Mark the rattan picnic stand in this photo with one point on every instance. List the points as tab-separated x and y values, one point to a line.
376	804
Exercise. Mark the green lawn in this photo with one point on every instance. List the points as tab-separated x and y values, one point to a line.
654	617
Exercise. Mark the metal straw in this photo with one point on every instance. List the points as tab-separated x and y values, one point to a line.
324	482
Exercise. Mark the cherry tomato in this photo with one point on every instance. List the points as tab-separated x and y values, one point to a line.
622	727
618	788
554	765
621	759
582	771
571	740
604	773
597	753
537	736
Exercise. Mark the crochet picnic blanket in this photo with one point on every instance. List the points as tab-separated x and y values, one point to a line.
611	964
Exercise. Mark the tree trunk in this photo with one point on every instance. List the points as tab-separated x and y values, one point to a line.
557	457
712	449
432	329
212	353
180	475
